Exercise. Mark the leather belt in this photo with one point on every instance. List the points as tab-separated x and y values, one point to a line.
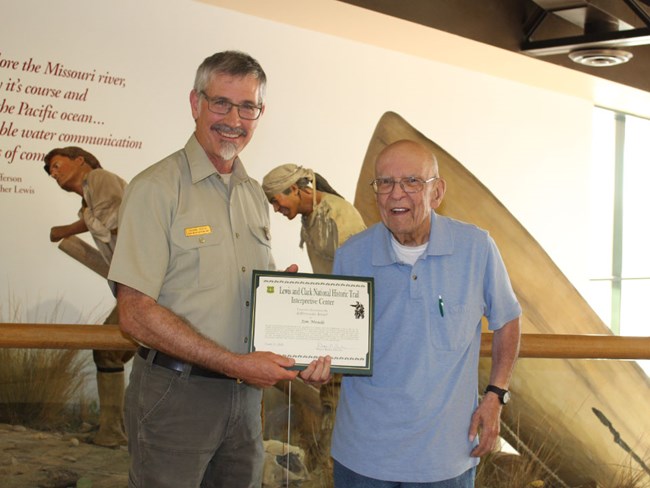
169	362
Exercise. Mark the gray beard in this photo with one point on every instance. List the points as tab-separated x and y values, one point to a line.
228	151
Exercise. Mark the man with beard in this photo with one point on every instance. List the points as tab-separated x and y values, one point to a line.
192	229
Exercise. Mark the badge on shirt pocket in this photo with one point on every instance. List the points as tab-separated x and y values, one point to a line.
201	230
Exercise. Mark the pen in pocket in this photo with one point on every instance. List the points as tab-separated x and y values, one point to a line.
441	306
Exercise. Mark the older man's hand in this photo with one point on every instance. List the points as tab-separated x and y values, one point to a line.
318	371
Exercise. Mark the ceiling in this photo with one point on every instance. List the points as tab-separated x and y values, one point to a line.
533	26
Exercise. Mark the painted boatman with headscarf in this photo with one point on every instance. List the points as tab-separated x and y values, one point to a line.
328	220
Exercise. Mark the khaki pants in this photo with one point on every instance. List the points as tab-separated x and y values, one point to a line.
190	431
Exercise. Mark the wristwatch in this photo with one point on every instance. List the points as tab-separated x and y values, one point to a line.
504	395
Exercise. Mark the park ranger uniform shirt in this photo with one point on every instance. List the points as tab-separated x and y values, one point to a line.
190	242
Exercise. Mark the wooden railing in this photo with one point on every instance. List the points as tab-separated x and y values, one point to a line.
62	336
59	336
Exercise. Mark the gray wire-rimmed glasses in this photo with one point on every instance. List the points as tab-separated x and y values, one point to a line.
223	106
409	184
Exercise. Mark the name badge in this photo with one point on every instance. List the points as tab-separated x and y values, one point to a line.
198	231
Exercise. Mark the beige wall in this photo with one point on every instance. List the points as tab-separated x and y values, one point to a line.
521	125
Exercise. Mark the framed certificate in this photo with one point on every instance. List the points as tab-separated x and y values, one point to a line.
304	316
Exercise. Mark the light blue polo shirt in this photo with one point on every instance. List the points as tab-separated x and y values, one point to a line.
410	420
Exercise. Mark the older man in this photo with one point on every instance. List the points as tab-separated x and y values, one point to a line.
192	229
414	422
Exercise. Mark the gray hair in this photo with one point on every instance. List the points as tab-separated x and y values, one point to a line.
233	63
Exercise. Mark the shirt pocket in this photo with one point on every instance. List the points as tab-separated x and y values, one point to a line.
261	233
197	255
453	325
261	245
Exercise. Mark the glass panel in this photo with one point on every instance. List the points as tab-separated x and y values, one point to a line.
636	239
598	294
602	194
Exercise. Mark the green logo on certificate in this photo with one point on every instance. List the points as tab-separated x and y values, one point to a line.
270	289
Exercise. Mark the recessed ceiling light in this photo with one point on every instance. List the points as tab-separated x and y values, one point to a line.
600	58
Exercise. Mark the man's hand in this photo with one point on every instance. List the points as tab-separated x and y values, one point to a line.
263	369
505	349
59	232
486	419
318	371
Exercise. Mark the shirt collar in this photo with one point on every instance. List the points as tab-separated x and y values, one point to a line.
441	241
201	167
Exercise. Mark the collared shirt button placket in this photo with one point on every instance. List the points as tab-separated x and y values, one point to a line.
416	283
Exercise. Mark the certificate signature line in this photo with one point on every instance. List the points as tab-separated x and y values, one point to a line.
334	358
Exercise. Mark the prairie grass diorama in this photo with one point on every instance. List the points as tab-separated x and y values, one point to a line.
42	388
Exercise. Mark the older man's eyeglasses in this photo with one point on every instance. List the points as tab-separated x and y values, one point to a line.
410	184
223	106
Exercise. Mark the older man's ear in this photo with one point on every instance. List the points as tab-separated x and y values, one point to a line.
438	193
